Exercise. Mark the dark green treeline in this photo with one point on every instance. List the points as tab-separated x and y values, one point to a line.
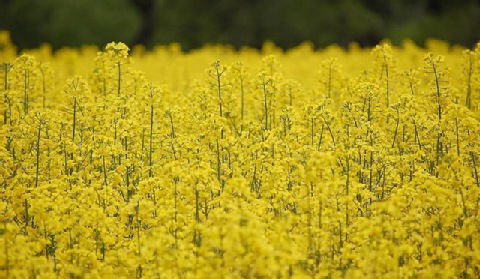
194	23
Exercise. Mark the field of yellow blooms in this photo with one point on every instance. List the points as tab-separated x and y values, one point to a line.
217	163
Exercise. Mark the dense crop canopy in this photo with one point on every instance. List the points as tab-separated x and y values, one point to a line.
250	164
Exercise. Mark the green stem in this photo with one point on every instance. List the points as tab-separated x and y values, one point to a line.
468	98
219	86
38	154
26	79
475	172
312	134
457	136
265	104
74	124
119	78
104	171
150	151
242	100
44	90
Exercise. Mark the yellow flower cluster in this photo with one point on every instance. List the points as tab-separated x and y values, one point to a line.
358	163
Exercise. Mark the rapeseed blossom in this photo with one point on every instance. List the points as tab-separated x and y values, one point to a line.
240	164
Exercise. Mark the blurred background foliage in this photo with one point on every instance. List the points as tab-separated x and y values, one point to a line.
194	23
